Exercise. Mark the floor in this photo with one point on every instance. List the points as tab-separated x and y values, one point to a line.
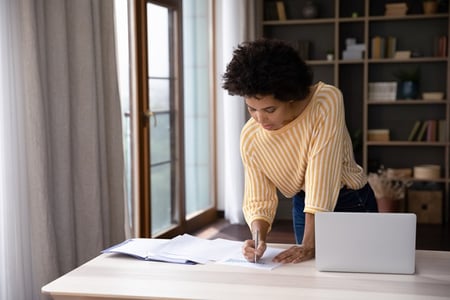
281	232
428	237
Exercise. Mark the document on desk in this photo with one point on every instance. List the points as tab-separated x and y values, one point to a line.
188	249
146	249
266	263
181	249
200	250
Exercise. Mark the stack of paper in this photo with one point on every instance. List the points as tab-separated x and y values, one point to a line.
187	249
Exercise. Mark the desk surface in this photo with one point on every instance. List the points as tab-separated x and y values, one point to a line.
111	276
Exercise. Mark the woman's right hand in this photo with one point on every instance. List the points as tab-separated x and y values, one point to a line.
249	251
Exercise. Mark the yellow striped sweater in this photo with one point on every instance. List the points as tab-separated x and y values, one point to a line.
312	153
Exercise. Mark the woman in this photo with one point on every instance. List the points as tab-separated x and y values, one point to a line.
296	142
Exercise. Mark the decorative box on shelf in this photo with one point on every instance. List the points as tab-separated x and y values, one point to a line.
396	174
382	91
378	135
353	50
433	96
427	172
427	205
396	9
405	54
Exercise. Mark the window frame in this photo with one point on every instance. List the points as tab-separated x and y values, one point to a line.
142	188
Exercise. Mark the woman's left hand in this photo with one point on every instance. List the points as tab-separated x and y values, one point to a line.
295	254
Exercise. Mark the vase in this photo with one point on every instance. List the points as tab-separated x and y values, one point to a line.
309	11
389	205
430	7
408	90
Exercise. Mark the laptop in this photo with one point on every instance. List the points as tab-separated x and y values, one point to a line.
365	242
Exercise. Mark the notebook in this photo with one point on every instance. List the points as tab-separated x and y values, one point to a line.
365	242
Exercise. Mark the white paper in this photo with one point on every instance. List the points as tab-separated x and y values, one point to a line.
147	249
221	249
137	247
266	263
187	249
188	246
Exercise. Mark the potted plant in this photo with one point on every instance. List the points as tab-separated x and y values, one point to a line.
408	83
389	192
330	54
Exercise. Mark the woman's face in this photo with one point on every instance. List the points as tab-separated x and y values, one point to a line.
271	113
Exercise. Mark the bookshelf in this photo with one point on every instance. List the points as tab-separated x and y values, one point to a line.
413	40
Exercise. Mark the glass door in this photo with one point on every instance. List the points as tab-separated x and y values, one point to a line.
174	162
164	116
161	81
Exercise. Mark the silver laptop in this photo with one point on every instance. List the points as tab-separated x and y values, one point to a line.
365	242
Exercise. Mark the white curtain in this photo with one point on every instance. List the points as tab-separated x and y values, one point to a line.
61	157
235	24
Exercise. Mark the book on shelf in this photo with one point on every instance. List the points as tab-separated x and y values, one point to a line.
270	11
422	132
421	135
391	46
442	131
281	11
384	47
414	131
441	46
428	130
378	47
431	131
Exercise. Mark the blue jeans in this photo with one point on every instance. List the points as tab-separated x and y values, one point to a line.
362	200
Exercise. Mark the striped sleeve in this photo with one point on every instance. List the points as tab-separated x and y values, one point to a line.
323	174
260	198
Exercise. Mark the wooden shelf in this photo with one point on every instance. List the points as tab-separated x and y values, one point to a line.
300	22
352	20
407	144
407	102
408	17
415	32
413	60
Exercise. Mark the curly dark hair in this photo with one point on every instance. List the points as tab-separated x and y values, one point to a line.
267	67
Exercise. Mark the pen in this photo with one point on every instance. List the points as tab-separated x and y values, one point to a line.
256	239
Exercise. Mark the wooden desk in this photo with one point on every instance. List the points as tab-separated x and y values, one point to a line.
111	276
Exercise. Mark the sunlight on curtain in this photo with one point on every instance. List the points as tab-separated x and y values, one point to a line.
15	267
123	65
235	25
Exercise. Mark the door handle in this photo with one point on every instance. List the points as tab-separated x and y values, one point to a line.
150	114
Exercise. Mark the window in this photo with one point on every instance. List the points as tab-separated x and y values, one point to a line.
175	161
198	105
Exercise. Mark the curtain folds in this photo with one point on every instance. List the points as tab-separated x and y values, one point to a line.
61	154
235	24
